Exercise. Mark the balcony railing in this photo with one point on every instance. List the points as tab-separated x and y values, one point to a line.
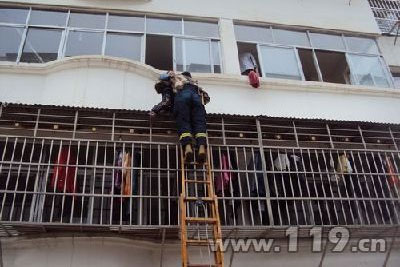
387	14
267	172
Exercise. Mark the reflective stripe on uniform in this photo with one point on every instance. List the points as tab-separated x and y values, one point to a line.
185	135
201	135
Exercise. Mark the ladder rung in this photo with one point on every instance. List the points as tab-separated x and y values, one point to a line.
196	163
194	242
208	199
201	265
198	181
200	220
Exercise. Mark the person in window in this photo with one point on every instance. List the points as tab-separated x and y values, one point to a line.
249	67
187	104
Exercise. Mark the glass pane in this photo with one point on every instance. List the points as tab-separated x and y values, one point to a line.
362	45
41	17
124	45
197	55
126	23
13	15
327	41
9	43
291	37
84	43
216	57
178	54
202	29
280	63
155	25
93	21
368	70
255	34
39	51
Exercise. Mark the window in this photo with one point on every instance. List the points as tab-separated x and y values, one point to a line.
52	34
280	62
126	23
83	43
368	71
250	33
314	56
171	26
9	42
124	45
93	21
13	15
42	17
37	51
396	79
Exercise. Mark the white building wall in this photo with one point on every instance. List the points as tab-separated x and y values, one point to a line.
345	15
390	50
118	252
119	84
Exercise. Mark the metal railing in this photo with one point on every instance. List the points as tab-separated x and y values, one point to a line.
267	172
387	14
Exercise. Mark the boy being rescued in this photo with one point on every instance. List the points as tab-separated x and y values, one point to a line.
182	95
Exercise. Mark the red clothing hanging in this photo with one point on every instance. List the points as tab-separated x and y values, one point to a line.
64	175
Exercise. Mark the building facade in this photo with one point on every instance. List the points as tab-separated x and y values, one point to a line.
314	151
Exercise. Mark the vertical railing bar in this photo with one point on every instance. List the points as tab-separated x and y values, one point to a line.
84	179
46	176
292	188
330	135
221	180
67	168
8	175
388	186
232	201
248	184
113	128
264	167
373	182
17	179
393	139
168	185
315	187
34	203
275	185
159	183
103	177
360	186
285	201
295	134
75	124
57	164
308	187
115	155
381	186
354	197
75	179
366	181
337	184
362	136
140	209
27	179
329	180
132	184
300	188
398	173
37	123
239	177
257	185
93	185
122	198
223	131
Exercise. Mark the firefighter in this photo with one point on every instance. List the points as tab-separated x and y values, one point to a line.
187	105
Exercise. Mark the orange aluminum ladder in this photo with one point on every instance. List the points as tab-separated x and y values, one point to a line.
208	201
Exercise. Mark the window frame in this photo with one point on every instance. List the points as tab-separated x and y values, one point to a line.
313	48
66	29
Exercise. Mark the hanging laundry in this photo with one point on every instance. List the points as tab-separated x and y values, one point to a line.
393	178
282	162
223	179
126	187
63	178
118	171
344	165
